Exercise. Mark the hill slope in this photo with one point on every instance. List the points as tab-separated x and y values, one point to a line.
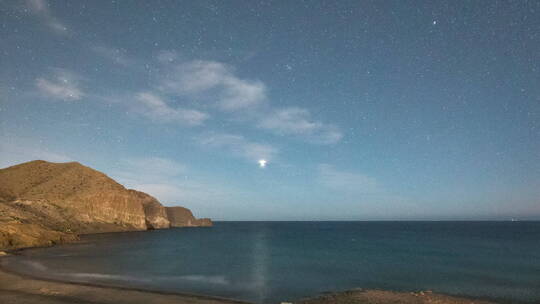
42	203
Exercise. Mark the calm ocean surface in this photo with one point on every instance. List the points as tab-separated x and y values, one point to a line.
270	262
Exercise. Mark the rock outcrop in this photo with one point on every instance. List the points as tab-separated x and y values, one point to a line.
182	217
204	222
155	214
43	203
89	196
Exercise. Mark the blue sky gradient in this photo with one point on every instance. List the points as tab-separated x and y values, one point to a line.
364	110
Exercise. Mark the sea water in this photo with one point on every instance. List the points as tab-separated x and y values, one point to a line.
272	262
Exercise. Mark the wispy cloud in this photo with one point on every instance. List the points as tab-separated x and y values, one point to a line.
213	80
116	55
211	86
298	121
345	181
40	8
167	56
60	84
156	108
239	146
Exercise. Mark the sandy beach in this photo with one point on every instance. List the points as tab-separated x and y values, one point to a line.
20	289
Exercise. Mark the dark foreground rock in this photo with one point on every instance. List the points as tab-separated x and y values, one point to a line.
390	297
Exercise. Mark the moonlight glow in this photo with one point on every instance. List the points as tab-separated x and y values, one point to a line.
262	163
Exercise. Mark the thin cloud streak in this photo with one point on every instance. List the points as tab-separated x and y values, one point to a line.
61	84
297	121
40	8
157	109
239	146
206	79
116	55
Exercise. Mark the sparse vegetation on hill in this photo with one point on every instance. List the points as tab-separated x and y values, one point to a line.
43	203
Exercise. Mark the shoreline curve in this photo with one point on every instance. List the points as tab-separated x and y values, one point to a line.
22	288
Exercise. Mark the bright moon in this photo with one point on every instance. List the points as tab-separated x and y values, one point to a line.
262	163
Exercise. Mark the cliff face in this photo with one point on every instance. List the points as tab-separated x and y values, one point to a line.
182	217
43	203
156	216
87	195
204	222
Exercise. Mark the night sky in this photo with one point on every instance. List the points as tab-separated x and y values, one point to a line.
284	110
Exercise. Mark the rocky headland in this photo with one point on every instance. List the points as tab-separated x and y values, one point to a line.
44	203
182	217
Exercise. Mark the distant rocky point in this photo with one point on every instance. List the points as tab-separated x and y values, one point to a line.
44	203
182	217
